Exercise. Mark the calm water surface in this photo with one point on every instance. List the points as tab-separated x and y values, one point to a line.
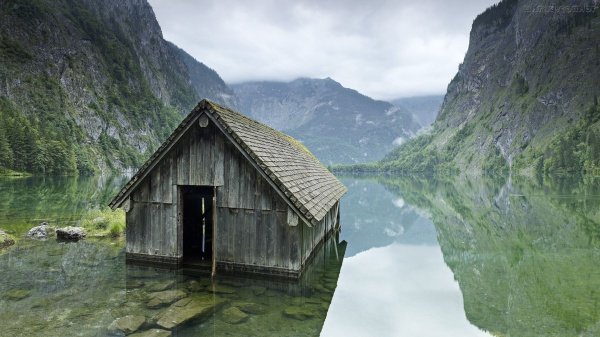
415	258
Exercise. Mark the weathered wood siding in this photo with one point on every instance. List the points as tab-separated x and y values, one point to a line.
152	222
254	225
311	237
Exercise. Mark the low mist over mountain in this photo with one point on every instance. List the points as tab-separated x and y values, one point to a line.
424	109
91	84
339	125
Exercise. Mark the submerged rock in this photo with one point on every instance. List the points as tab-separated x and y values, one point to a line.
187	309
16	294
234	315
5	240
41	232
134	284
160	286
128	324
221	289
258	290
152	333
299	313
198	285
70	233
251	308
163	298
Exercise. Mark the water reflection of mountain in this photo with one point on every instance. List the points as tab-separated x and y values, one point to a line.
525	255
372	217
24	202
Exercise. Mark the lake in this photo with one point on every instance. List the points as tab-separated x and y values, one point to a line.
415	257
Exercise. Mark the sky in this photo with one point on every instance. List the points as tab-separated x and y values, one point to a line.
385	49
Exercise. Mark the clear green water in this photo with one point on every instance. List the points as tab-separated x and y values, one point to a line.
473	257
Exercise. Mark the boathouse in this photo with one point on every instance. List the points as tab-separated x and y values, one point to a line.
230	193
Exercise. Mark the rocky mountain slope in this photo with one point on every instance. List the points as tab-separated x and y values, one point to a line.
90	85
424	109
525	97
339	125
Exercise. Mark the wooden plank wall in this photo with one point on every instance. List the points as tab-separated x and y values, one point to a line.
152	222
312	236
252	219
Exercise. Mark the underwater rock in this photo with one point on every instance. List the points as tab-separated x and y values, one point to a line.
128	324
234	315
221	289
195	286
258	290
16	294
70	233
299	313
152	333
187	309
134	284
41	232
251	308
163	285
5	240
164	298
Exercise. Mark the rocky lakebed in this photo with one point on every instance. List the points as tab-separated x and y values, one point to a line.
85	288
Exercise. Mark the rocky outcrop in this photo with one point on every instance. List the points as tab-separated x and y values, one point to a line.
41	232
70	233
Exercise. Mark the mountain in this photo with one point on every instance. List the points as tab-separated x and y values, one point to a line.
91	85
525	97
424	109
206	81
339	125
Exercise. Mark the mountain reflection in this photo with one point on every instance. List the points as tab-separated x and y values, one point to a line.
525	254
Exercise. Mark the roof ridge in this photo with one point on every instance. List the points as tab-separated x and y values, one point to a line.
301	178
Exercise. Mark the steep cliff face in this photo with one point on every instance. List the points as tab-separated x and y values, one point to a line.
339	125
89	85
530	76
206	81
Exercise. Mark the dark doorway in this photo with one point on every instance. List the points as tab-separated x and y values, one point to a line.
197	224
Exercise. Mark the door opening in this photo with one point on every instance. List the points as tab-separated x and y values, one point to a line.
197	224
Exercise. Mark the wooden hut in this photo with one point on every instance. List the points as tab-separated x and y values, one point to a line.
228	192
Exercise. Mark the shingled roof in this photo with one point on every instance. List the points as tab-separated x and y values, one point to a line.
299	175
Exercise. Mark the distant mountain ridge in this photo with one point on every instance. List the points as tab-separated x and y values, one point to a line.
339	125
424	109
90	86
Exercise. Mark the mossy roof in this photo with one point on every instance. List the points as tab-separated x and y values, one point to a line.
286	162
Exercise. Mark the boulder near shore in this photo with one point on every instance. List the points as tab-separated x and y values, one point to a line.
70	233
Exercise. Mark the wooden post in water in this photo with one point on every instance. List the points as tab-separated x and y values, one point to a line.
214	232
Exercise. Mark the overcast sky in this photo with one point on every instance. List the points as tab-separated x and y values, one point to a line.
384	49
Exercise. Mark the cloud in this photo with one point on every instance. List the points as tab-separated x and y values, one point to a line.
384	49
